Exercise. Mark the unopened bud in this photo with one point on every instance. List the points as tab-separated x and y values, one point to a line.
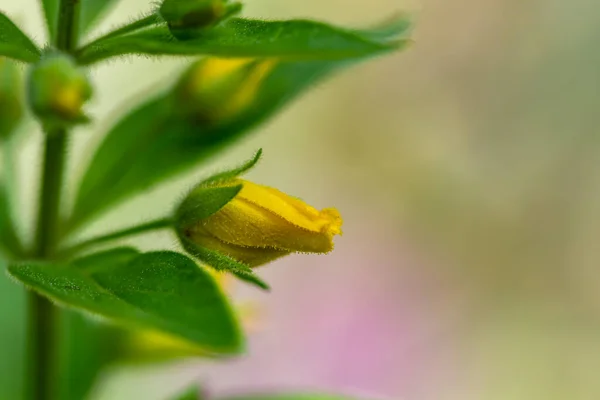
216	90
11	97
253	224
57	90
188	19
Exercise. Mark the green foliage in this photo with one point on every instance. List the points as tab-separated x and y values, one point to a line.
165	291
206	199
264	66
14	43
221	262
91	11
154	142
237	37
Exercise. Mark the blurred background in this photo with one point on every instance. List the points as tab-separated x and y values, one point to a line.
466	169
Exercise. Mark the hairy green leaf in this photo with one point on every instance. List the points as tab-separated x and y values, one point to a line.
165	291
154	142
50	8
221	262
237	37
91	11
16	44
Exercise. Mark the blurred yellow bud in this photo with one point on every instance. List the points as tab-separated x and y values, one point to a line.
190	18
11	98
216	90
57	90
261	224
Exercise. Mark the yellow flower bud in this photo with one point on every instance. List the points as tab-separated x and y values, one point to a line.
58	90
261	224
216	90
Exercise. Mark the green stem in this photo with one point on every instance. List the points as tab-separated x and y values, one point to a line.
164	223
42	315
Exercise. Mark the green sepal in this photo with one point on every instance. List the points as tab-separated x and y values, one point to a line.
164	291
16	44
221	262
233	173
202	202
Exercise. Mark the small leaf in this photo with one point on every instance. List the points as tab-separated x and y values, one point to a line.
237	37
203	202
221	262
51	16
16	44
165	291
92	11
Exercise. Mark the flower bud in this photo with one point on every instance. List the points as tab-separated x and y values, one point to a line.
259	224
11	98
188	19
216	90
58	90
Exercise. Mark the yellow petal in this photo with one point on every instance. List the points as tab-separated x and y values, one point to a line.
264	217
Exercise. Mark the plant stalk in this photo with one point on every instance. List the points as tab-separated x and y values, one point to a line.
42	314
158	224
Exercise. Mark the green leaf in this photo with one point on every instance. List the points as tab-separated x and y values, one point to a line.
14	43
13	335
92	11
165	291
221	262
237	37
288	397
50	8
154	142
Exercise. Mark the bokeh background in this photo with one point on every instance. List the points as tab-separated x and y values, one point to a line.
466	169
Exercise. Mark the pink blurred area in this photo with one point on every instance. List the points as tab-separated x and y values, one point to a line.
368	319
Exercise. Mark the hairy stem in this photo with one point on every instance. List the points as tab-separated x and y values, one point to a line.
42	315
164	223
